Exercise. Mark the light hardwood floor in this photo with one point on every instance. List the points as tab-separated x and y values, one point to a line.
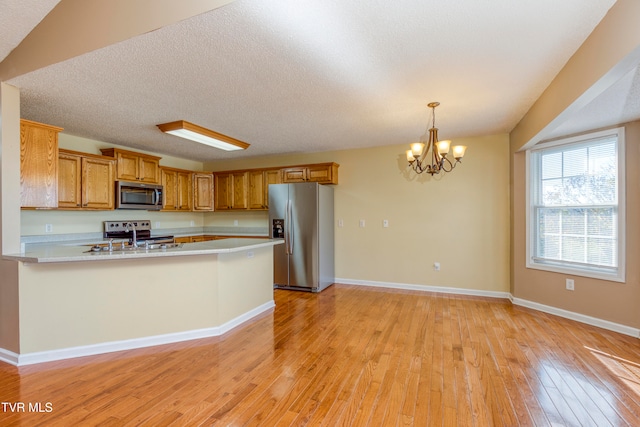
352	356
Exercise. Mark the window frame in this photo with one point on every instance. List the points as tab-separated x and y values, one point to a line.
569	268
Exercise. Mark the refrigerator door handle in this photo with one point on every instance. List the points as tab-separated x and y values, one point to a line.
291	231
287	219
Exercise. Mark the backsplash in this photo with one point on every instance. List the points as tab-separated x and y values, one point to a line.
88	225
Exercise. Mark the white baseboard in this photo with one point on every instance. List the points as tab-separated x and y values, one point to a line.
593	321
9	356
440	289
109	347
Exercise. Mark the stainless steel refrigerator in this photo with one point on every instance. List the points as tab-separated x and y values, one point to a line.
302	215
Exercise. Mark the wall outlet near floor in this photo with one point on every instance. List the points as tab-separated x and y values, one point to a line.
192	223
48	228
436	266
235	222
156	224
362	223
385	223
570	285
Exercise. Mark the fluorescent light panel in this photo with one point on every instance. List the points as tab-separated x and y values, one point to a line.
202	135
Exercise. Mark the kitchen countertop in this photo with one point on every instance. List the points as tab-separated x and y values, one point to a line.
69	252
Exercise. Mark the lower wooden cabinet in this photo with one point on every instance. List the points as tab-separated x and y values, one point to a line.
85	181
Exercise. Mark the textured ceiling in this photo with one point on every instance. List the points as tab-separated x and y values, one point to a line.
314	75
18	18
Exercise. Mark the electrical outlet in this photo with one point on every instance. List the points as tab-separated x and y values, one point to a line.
570	284
385	223
48	228
156	224
250	254
340	223
235	222
192	223
436	266
362	223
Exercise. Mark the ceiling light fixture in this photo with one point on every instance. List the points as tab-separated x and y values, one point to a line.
436	151
202	135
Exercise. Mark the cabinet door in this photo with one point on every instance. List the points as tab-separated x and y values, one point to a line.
127	167
222	191
256	190
170	196
184	185
270	177
148	170
38	165
239	189
69	181
203	191
320	173
97	183
297	174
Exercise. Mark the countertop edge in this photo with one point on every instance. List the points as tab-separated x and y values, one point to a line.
200	248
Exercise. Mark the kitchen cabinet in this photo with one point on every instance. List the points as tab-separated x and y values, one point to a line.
202	238
38	165
240	187
206	238
85	181
178	189
134	166
324	173
249	189
203	191
231	190
259	181
222	191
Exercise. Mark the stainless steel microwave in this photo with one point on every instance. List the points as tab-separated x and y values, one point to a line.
138	195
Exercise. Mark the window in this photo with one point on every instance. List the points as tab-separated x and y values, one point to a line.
575	219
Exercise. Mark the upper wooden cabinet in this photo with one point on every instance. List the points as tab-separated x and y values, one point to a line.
324	173
85	181
240	186
203	191
222	191
259	181
178	189
38	165
133	166
249	189
231	190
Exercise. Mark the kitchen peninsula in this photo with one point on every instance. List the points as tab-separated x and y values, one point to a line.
75	303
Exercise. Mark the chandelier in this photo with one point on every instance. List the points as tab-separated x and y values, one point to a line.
433	158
